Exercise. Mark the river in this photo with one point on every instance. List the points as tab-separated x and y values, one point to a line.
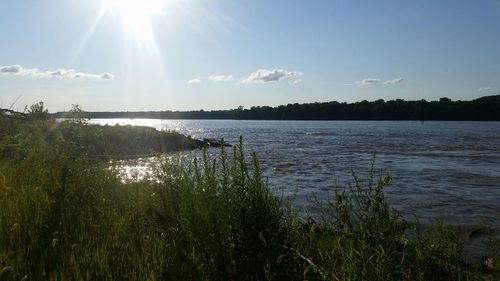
439	169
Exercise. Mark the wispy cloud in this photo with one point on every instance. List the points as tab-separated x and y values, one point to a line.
266	76
194	81
11	69
485	89
259	76
369	81
372	81
393	81
105	76
58	73
221	78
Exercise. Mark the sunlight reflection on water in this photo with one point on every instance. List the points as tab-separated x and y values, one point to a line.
449	169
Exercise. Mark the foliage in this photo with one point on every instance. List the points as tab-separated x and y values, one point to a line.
67	215
484	108
121	141
358	237
222	221
90	140
38	111
77	114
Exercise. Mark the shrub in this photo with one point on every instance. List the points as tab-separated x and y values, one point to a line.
67	215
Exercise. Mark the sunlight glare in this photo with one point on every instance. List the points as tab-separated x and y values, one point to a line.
136	14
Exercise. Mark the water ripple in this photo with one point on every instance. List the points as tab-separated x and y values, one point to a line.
448	169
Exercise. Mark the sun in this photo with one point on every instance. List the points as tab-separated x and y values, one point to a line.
136	14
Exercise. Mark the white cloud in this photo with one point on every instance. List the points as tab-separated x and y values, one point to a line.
194	81
221	78
61	73
484	89
266	76
107	76
369	81
11	69
372	81
394	81
297	81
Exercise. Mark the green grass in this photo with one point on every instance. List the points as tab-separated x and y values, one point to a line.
18	136
64	215
122	141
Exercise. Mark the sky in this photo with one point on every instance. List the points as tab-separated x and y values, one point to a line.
126	55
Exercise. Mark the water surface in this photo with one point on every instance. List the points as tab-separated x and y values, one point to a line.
449	169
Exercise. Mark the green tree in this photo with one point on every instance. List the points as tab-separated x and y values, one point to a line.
38	111
77	114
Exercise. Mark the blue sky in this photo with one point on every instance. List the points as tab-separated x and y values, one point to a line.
214	54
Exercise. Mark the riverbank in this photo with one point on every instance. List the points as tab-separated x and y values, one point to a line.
117	142
485	108
66	216
444	169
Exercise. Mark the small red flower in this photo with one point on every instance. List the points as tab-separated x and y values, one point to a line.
344	217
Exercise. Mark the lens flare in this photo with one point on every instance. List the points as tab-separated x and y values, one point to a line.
136	14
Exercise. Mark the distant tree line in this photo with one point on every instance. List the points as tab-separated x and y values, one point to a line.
481	109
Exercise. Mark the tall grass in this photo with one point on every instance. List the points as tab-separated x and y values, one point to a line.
64	215
222	220
359	237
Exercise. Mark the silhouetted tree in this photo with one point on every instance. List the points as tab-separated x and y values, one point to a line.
485	108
